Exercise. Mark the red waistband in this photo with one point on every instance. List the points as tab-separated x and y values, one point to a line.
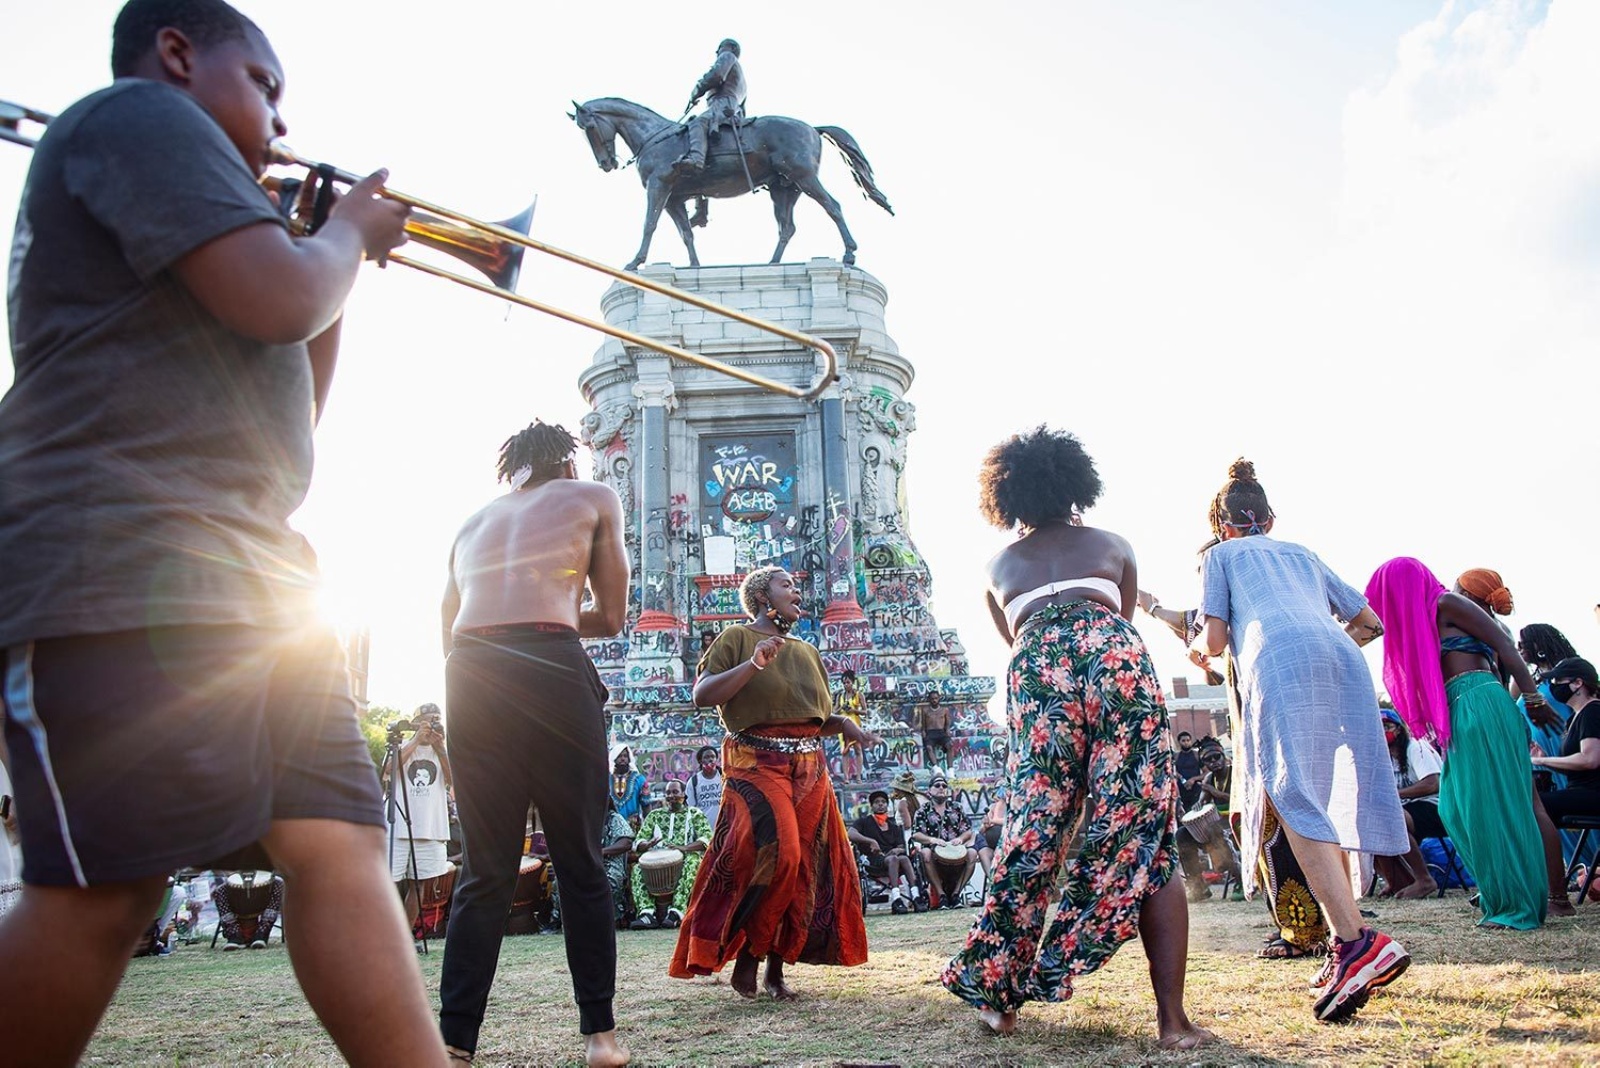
784	730
517	630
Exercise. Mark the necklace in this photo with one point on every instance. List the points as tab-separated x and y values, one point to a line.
619	787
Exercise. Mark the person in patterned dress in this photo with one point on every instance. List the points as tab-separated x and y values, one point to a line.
678	826
1088	737
942	823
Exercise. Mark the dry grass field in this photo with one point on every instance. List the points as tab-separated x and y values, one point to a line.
1470	998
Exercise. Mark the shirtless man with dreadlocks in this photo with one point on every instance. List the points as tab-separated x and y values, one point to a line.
527	720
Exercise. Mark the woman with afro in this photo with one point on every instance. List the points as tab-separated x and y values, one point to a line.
1088	736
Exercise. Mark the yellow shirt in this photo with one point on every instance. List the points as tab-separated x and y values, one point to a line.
848	705
793	687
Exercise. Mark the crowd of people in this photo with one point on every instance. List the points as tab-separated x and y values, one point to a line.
175	341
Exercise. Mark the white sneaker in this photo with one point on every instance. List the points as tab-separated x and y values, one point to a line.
228	947
259	943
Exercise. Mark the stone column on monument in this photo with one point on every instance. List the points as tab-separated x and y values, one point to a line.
657	611
844	625
655	647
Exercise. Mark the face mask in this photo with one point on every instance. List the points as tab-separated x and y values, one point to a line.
1562	691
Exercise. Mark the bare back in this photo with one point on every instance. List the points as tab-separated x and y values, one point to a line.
1057	552
527	556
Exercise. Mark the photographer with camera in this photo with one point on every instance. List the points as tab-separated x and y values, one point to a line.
420	819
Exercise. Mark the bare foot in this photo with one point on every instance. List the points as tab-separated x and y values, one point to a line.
1001	1023
774	983
1189	1037
1416	891
743	979
1560	906
603	1049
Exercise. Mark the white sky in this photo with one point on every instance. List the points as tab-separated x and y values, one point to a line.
1357	243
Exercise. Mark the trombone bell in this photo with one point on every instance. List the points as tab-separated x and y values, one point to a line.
498	260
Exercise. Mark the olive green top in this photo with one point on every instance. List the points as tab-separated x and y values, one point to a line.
793	687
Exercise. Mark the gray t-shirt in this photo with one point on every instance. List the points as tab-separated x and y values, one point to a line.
149	457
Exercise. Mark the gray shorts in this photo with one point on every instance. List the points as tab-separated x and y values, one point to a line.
139	752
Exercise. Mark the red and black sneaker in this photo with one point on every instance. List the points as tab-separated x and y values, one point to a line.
1360	966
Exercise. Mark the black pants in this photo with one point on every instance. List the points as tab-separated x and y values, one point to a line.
1573	801
527	723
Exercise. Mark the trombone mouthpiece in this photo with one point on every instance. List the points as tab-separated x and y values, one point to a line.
280	154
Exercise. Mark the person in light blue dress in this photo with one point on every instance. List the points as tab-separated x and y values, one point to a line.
1311	746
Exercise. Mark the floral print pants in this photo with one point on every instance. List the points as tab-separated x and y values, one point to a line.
1088	735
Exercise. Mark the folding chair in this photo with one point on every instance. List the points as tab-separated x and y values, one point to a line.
1452	867
1582	823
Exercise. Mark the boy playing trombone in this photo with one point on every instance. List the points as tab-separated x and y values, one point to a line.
173	345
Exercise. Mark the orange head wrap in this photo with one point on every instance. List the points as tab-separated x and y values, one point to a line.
1485	585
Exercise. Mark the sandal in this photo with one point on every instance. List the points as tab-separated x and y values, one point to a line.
1283	949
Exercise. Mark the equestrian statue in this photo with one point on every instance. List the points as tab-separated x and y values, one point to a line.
720	153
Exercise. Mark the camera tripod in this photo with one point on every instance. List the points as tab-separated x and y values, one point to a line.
394	771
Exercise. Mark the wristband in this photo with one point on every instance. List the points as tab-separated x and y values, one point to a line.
752	663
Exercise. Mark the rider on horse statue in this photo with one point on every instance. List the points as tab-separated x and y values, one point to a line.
724	88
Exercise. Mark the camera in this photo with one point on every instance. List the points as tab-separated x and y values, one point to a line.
400	726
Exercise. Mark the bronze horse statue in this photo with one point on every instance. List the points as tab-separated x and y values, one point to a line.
778	153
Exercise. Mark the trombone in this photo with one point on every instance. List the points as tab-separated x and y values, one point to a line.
12	116
496	249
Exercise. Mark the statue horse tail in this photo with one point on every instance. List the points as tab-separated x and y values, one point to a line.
860	169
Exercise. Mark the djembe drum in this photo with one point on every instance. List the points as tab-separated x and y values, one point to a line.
433	903
661	869
949	861
530	903
1204	824
249	894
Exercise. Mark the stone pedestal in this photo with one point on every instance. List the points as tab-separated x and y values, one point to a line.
717	477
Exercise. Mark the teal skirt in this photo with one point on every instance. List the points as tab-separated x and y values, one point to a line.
1486	801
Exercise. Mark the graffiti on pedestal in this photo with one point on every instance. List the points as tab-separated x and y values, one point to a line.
718	600
747	491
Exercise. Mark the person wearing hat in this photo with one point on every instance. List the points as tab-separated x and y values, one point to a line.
941	822
905	797
880	838
1573	682
1416	776
629	788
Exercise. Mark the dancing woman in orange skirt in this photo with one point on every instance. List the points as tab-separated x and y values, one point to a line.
779	880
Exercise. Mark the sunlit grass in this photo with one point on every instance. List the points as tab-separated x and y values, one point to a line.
1471	998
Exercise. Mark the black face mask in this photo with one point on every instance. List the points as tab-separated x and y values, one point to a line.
1563	690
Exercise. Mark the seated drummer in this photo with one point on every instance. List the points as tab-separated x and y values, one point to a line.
680	826
879	838
1214	786
942	823
245	915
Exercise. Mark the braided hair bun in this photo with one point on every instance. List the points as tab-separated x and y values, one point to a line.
1241	503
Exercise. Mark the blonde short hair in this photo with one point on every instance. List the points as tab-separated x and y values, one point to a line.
756	583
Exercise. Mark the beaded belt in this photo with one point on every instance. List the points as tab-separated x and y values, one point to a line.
778	745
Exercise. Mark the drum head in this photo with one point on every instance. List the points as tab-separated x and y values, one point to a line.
951	853
529	864
661	858
1203	812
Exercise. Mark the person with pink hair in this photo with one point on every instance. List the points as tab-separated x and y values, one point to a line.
1440	654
